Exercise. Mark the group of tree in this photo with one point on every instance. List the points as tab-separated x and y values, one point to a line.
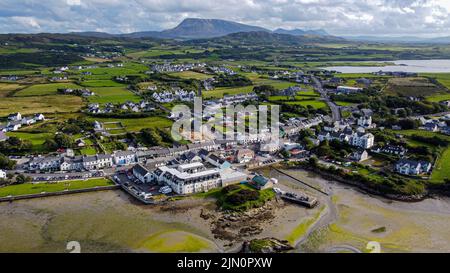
60	140
223	80
15	145
155	137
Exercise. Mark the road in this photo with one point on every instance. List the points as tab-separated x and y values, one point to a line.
335	110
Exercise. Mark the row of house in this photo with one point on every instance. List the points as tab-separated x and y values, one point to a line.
294	126
359	139
412	167
78	92
129	106
175	95
239	98
16	121
118	158
168	67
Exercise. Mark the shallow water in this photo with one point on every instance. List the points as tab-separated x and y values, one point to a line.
413	66
113	222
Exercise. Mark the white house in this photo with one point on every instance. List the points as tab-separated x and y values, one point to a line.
124	157
412	167
362	140
15	117
97	162
142	173
348	89
2	174
39	117
188	178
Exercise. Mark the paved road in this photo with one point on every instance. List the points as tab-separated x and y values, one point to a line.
335	110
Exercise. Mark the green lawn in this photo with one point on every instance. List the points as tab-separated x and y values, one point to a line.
45	89
101	83
220	92
438	97
29	188
343	103
314	103
442	169
222	197
104	95
36	139
135	125
191	75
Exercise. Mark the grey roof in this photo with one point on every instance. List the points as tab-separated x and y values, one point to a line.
124	153
3	136
140	169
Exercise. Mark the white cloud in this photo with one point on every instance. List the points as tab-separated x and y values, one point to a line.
340	17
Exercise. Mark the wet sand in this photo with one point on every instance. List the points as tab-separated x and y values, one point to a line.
114	222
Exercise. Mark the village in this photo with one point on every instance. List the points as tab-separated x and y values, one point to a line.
346	138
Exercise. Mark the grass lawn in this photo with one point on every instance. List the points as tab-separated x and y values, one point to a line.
223	197
101	83
104	95
36	139
135	125
45	89
442	78
343	103
438	97
6	88
314	103
88	151
29	188
191	75
221	91
41	104
442	169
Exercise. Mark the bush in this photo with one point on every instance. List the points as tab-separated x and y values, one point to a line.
242	197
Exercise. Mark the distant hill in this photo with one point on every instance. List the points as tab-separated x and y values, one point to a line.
266	38
301	32
193	28
403	39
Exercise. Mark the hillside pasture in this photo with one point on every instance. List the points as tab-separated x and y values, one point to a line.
45	89
41	104
105	95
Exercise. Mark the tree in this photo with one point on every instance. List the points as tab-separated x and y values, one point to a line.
50	144
20	179
64	141
151	137
166	137
6	163
313	161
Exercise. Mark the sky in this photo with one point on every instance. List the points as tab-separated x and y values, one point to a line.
424	18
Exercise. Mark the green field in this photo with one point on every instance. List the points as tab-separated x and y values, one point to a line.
135	125
438	97
41	104
343	103
36	139
191	75
314	103
442	168
29	188
45	89
101	83
112	94
7	88
222	91
442	78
